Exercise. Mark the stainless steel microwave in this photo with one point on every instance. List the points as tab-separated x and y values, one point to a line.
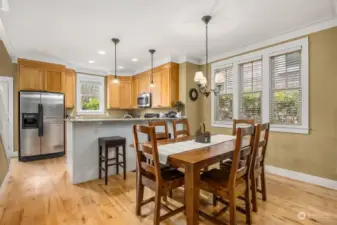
144	100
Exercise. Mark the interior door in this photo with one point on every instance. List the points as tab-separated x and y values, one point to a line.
6	92
52	140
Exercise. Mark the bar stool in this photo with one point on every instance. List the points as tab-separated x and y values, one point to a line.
106	143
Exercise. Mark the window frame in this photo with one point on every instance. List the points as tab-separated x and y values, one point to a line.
266	54
87	78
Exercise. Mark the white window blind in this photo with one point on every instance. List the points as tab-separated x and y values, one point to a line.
286	90
251	90
224	99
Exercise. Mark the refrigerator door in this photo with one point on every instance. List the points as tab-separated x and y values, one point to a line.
29	138
52	140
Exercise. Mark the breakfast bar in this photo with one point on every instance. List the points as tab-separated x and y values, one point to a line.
82	144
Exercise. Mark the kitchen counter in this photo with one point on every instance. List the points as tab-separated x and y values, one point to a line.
82	143
103	119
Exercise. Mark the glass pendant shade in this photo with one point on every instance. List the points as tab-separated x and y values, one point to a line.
152	85
198	76
219	78
115	80
203	81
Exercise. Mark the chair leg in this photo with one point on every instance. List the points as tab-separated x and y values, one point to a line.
264	187
170	193
232	208
215	200
124	162
254	193
248	205
140	195
157	202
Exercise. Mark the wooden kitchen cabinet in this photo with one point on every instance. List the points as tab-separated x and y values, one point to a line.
134	92
156	90
144	82
30	78
125	94
70	87
40	76
53	80
113	97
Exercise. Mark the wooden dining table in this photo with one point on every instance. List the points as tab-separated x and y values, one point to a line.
193	161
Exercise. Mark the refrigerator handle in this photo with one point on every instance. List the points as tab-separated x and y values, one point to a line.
40	120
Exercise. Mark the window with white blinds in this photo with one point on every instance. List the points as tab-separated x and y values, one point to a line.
251	90
286	89
267	85
224	99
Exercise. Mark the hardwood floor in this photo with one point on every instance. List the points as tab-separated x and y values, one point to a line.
40	192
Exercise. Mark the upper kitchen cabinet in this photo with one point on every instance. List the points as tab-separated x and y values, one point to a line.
40	76
166	90
70	87
144	82
119	96
134	91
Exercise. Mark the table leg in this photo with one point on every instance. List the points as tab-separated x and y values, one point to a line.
192	182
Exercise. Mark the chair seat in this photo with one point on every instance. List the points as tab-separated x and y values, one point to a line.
167	173
220	179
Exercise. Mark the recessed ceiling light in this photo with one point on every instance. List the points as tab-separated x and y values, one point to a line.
91	61
121	67
101	52
134	60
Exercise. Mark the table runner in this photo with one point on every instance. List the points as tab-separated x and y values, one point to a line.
170	149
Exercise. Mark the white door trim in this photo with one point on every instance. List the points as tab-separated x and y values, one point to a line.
11	152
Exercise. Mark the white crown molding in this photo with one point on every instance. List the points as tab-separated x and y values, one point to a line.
190	60
319	181
281	38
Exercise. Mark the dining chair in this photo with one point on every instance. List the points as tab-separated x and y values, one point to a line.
181	133
151	175
160	135
230	186
259	154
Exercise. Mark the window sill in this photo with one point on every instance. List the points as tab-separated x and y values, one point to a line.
89	113
274	128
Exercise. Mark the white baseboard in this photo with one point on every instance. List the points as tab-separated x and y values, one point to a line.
319	181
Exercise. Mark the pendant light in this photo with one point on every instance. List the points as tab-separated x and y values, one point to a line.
200	79
116	41
152	84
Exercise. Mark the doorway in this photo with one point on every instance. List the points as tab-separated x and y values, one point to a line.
6	116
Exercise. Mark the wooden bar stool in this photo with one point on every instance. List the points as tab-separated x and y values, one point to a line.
106	143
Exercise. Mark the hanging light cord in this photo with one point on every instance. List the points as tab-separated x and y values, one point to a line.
206	52
152	67
115	60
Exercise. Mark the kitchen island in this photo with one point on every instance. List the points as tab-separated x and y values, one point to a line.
82	144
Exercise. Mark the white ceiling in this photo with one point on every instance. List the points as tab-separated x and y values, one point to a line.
72	31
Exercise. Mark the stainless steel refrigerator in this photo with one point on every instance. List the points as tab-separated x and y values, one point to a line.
41	116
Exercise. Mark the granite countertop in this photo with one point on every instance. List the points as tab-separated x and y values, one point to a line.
108	119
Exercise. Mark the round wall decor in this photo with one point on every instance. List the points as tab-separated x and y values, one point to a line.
193	94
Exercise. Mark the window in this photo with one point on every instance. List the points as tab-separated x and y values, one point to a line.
90	94
224	99
285	87
269	85
251	90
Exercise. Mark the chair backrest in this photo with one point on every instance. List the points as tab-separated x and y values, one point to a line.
236	122
150	163
242	152
260	143
160	135
181	133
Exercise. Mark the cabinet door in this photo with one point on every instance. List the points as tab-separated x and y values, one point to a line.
144	83
69	90
135	92
125	94
113	94
156	90
165	88
53	81
31	78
